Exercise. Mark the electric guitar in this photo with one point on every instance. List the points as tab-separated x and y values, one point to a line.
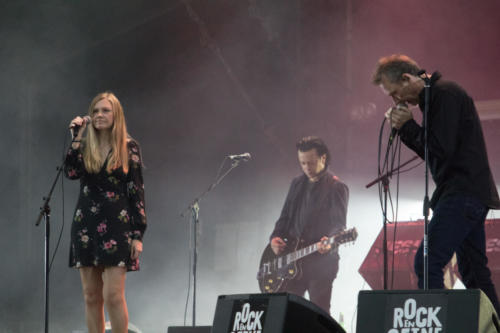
275	270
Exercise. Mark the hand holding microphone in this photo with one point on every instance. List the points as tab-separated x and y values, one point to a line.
77	127
398	115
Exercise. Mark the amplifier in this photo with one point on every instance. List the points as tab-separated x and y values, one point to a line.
426	311
271	313
189	329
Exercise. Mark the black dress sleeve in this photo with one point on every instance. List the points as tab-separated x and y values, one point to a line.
74	167
135	190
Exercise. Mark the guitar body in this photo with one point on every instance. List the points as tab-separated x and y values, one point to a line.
275	271
273	277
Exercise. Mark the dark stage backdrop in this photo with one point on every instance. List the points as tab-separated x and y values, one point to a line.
200	80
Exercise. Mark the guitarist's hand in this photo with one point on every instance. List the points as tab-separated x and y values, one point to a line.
322	248
277	245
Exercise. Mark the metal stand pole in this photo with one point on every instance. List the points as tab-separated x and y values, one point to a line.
45	215
196	221
195	218
427	88
385	183
47	268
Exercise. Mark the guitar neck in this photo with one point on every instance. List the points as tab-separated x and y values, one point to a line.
271	263
303	252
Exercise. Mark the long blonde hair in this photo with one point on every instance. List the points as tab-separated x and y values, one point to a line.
119	153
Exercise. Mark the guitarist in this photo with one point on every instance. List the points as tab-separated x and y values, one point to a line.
315	208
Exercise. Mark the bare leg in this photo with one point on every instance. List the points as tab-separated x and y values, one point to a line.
92	285
114	298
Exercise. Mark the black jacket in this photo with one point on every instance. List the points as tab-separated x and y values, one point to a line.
324	217
458	160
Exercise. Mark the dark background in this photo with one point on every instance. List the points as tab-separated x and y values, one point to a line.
200	80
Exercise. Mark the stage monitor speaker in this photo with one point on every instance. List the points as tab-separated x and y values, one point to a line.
189	329
426	311
271	313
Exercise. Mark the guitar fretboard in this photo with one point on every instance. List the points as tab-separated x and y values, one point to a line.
291	257
283	261
299	254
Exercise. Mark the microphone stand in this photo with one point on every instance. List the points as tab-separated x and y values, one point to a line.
45	214
427	90
194	208
385	183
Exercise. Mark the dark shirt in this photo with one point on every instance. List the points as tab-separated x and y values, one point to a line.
458	160
313	209
306	205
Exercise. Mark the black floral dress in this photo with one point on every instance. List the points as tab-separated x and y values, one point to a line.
109	213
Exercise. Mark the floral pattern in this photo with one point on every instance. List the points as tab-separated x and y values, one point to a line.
110	212
94	208
123	216
78	215
113	180
110	246
131	188
112	196
101	228
83	238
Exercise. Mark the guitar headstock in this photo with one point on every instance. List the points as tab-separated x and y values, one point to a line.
346	236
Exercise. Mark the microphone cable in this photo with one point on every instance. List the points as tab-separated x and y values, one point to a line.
65	148
391	160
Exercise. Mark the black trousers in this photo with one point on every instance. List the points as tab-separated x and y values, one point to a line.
457	225
317	279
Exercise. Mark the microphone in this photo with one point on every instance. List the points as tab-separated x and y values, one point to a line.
76	128
241	157
394	131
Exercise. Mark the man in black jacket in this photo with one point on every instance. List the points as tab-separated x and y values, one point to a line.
315	208
458	162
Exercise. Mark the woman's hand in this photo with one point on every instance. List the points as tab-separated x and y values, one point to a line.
81	123
136	249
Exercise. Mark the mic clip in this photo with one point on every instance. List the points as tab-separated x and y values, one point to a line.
241	157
